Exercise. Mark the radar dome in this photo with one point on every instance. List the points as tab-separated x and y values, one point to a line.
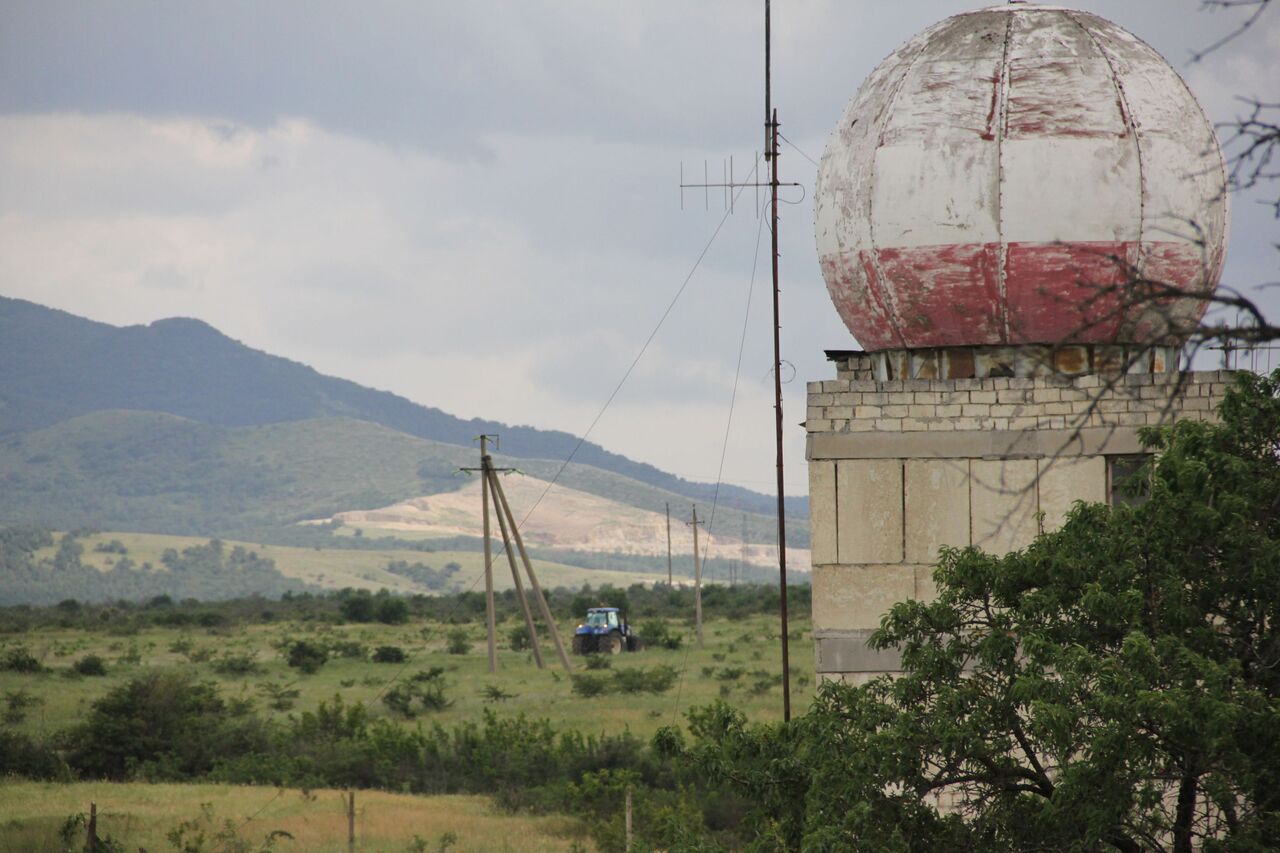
1021	174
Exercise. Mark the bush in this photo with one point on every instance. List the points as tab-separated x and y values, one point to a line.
23	756
18	659
658	634
392	610
236	663
16	705
389	654
307	657
587	685
458	642
163	724
598	661
424	690
518	639
90	665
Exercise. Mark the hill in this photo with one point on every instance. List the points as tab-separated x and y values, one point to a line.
159	473
55	366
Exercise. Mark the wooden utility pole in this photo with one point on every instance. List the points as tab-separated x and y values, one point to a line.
697	578
669	580
528	567
519	585
491	619
91	831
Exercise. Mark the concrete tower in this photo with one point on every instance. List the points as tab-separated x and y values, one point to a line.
1020	217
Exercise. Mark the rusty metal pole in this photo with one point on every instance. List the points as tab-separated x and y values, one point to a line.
491	619
519	584
771	127
697	580
533	578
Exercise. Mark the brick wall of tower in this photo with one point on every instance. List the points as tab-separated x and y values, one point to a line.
899	468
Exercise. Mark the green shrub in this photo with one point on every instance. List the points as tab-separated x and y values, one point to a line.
657	634
660	679
306	657
28	758
237	663
392	610
598	661
16	705
423	691
518	639
458	642
587	685
163	724
389	654
18	659
90	665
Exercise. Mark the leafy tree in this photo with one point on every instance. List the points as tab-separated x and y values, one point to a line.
163	723
1116	685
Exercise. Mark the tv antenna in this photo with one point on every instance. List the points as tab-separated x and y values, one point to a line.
729	186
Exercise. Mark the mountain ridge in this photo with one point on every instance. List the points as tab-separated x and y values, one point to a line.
58	365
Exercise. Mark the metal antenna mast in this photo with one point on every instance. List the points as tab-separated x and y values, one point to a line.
772	185
771	155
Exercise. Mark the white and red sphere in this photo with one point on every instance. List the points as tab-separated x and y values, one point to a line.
1014	175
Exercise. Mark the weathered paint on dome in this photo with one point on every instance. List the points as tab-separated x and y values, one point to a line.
1003	178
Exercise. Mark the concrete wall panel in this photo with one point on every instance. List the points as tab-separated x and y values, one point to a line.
1005	502
937	507
869	511
1065	481
822	511
849	597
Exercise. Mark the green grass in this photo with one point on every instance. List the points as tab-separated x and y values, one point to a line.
141	815
750	645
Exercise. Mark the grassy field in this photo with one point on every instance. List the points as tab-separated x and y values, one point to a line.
739	663
332	568
141	816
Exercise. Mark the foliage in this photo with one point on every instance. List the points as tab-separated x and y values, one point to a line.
422	691
588	685
22	755
1116	685
204	834
658	634
163	724
518	638
280	697
306	656
90	665
18	659
659	679
459	642
389	654
16	705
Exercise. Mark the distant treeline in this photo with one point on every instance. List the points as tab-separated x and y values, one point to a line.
204	572
637	601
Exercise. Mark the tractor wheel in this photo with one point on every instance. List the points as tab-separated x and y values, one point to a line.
611	644
577	644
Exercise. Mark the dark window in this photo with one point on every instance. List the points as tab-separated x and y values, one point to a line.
1128	480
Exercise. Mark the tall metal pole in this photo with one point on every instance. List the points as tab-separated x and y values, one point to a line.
697	580
489	610
771	154
669	582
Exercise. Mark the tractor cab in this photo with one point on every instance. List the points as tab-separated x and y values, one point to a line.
605	630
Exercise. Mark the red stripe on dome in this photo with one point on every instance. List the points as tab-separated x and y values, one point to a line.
1079	292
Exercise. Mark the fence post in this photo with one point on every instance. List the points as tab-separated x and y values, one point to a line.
91	830
628	819
351	822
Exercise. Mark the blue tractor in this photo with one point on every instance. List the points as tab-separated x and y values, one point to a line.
606	632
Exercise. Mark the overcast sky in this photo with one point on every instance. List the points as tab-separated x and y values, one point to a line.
474	204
